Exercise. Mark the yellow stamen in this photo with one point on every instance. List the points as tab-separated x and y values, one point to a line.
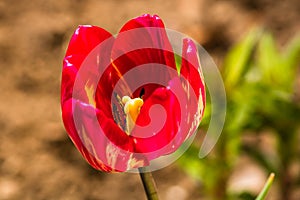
132	109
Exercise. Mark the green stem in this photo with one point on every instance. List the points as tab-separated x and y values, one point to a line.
149	184
266	188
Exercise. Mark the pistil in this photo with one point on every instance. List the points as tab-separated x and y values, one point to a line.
132	109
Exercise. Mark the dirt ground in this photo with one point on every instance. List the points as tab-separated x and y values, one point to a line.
37	159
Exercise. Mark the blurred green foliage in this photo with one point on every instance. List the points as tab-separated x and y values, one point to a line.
260	82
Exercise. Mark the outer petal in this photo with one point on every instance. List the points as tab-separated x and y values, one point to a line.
191	69
67	113
95	143
83	41
92	145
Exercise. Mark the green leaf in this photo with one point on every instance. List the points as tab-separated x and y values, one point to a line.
268	59
237	60
278	69
292	52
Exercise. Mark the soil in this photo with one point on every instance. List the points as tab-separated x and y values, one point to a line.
37	159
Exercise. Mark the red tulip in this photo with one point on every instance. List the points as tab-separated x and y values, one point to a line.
154	118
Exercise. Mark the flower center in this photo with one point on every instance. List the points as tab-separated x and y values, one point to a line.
132	109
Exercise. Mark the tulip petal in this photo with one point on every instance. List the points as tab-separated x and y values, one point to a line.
85	39
142	40
84	50
68	119
100	141
177	125
150	32
190	68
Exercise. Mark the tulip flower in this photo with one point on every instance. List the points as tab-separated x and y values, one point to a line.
118	122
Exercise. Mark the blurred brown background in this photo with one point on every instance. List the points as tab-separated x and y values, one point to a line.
37	160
